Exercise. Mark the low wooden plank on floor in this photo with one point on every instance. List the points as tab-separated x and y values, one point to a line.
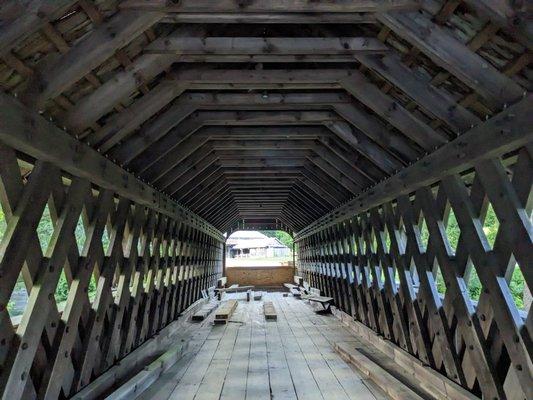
270	311
225	311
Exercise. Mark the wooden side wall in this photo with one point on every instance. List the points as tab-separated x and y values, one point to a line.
149	268
260	276
395	268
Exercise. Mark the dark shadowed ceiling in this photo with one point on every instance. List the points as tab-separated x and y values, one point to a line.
266	113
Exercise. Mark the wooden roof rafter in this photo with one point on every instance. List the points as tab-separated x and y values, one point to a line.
50	143
372	124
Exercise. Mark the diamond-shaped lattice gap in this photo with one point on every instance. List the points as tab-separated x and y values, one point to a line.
354	247
491	224
352	275
116	277
473	283
106	237
439	279
45	229
386	240
414	273
91	288
401	236
369	274
520	291
424	232
80	237
18	300
363	246
80	231
382	274
151	248
62	288
397	276
148	274
374	241
140	243
3	223
453	231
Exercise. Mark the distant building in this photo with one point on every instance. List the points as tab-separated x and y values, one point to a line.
254	244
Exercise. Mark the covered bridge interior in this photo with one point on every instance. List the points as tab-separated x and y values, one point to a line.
365	128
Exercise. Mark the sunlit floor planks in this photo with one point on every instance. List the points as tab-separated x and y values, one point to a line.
250	358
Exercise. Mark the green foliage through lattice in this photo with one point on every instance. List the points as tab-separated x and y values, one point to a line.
45	229
282	236
490	227
3	224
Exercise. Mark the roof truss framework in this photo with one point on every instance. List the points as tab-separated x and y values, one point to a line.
294	115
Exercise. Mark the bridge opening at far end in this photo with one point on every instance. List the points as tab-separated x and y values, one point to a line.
264	259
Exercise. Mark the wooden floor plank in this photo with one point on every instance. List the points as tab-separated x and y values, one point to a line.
257	385
234	387
251	358
281	383
213	381
169	380
332	331
189	384
304	382
326	380
215	375
351	382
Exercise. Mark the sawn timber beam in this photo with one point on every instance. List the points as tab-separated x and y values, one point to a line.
28	132
507	131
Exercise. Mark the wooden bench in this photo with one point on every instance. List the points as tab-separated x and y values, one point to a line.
324	301
309	292
269	311
235	289
296	293
290	286
225	311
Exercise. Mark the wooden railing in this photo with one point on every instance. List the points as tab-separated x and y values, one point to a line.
395	267
151	266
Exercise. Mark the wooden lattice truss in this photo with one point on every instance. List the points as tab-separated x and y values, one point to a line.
169	122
